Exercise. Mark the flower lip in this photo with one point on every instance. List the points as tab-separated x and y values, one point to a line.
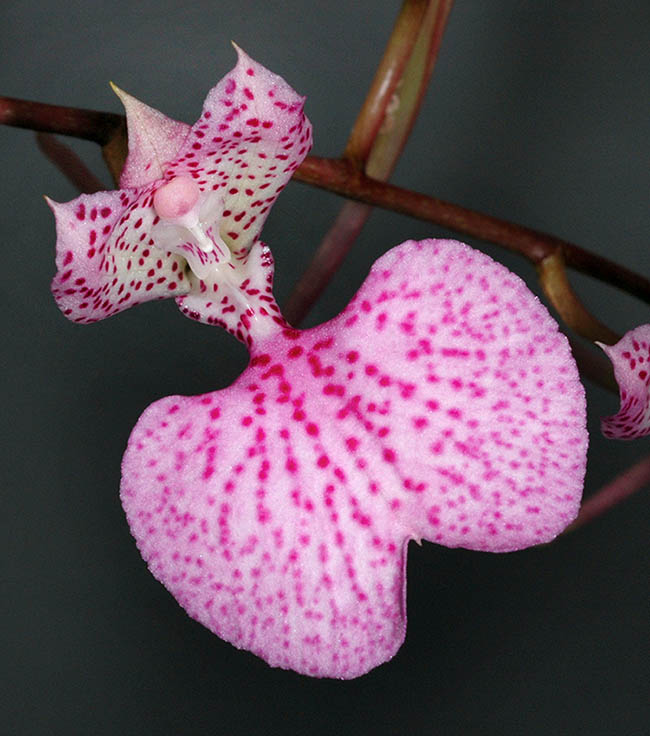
442	404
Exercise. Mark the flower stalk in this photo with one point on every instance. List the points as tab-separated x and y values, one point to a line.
635	478
68	163
339	177
555	283
335	175
378	136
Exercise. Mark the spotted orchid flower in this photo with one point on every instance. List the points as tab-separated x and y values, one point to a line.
442	404
631	360
192	203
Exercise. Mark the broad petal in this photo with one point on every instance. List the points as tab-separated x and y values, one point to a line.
154	141
232	513
442	404
467	401
249	140
631	360
106	259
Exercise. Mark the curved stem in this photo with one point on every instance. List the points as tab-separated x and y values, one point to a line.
555	283
379	136
338	176
69	164
388	75
409	94
326	260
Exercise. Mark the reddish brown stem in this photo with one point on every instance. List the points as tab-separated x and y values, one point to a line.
69	164
378	136
342	178
326	260
388	74
87	124
623	486
338	176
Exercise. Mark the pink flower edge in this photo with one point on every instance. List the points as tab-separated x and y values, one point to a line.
631	361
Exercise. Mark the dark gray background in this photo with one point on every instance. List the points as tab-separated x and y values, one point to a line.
538	112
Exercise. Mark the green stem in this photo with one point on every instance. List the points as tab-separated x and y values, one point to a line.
388	75
555	283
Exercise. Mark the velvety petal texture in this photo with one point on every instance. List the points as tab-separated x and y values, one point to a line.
442	404
106	258
246	145
154	142
631	360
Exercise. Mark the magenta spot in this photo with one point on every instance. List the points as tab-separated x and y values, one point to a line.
261	360
295	352
263	514
352	443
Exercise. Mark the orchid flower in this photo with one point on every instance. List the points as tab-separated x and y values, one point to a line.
631	360
192	203
442	404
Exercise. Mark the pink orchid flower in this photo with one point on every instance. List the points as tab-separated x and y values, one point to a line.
442	404
631	360
192	203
